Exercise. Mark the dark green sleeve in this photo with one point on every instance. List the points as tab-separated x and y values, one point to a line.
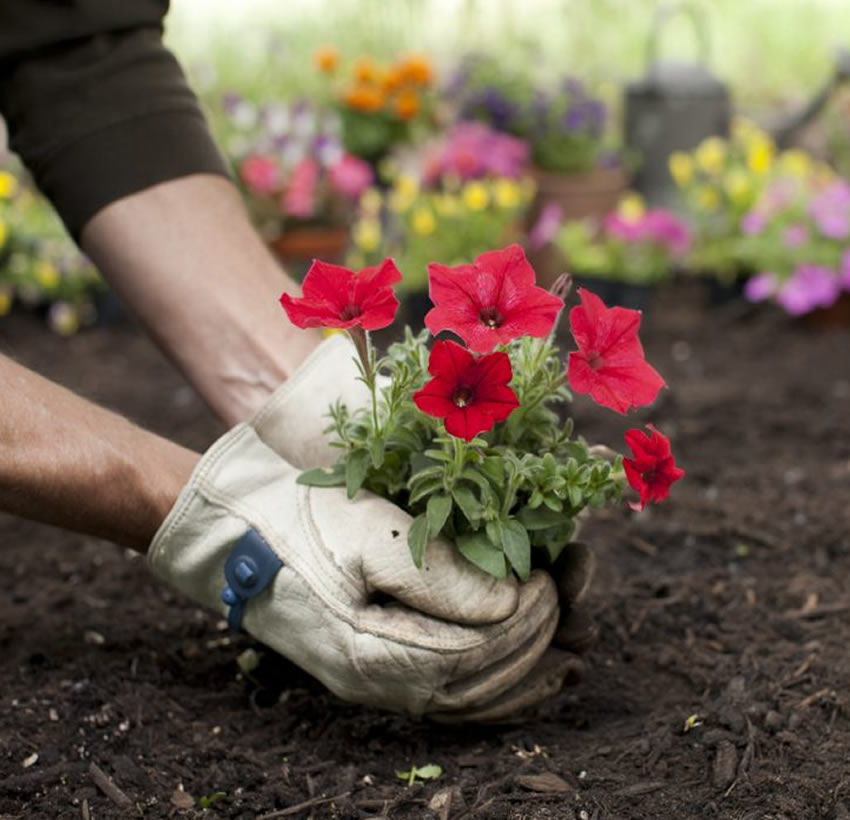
95	105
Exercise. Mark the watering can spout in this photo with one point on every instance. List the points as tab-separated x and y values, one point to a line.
785	131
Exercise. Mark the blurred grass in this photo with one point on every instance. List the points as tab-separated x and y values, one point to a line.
770	51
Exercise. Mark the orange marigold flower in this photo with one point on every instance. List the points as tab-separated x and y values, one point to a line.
365	70
326	59
407	104
417	70
366	98
393	80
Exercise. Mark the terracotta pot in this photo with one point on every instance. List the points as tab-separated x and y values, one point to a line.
587	195
298	247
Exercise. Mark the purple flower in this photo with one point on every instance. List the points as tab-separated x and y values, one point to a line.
761	287
809	287
660	225
844	271
547	225
795	235
753	223
832	224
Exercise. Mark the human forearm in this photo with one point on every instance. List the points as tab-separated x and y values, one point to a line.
67	462
186	258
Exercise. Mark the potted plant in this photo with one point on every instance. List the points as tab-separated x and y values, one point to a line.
798	241
41	269
625	254
300	185
380	105
576	162
471	439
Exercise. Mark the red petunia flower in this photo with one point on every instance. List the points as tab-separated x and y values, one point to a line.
471	394
490	302
652	470
338	297
610	364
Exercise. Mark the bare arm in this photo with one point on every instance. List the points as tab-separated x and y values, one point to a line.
185	257
68	462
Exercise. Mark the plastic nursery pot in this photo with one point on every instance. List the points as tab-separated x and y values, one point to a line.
298	247
615	293
590	194
837	315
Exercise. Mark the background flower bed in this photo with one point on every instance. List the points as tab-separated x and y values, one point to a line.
727	604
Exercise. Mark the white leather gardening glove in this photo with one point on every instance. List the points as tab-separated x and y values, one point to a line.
329	583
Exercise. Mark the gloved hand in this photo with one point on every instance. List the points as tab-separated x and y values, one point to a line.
293	422
329	583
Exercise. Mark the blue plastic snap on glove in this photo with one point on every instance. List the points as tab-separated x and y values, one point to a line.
249	569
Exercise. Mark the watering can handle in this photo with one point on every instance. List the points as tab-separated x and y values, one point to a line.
663	13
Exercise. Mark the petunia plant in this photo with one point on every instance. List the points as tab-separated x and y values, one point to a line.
468	432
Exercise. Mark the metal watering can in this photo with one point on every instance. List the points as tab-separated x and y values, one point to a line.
676	105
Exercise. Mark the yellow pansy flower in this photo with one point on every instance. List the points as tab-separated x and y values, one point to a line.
795	162
8	185
63	319
371	201
506	193
446	205
681	167
46	274
738	185
404	193
710	155
706	198
475	196
760	155
631	207
367	234
423	221
5	300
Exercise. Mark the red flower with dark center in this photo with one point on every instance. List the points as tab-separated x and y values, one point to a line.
471	394
652	470
490	302
338	297
610	364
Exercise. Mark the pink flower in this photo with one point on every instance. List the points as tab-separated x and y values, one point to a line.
351	176
753	223
547	226
761	287
795	235
809	287
299	198
261	174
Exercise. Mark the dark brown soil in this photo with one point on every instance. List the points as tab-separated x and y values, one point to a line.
718	688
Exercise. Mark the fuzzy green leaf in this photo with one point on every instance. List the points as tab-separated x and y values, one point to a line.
540	518
438	510
319	477
356	469
465	499
517	547
478	550
376	452
494	532
423	488
575	495
417	539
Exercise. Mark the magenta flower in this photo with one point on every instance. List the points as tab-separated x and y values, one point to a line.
753	223
795	236
299	198
473	150
809	287
351	176
547	226
761	287
261	174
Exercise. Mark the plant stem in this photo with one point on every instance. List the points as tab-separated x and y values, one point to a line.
366	352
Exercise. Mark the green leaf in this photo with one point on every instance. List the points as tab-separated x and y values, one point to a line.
517	547
431	771
438	510
478	550
493	469
376	452
575	495
319	477
417	539
465	499
208	802
439	455
356	469
494	532
540	518
426	487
